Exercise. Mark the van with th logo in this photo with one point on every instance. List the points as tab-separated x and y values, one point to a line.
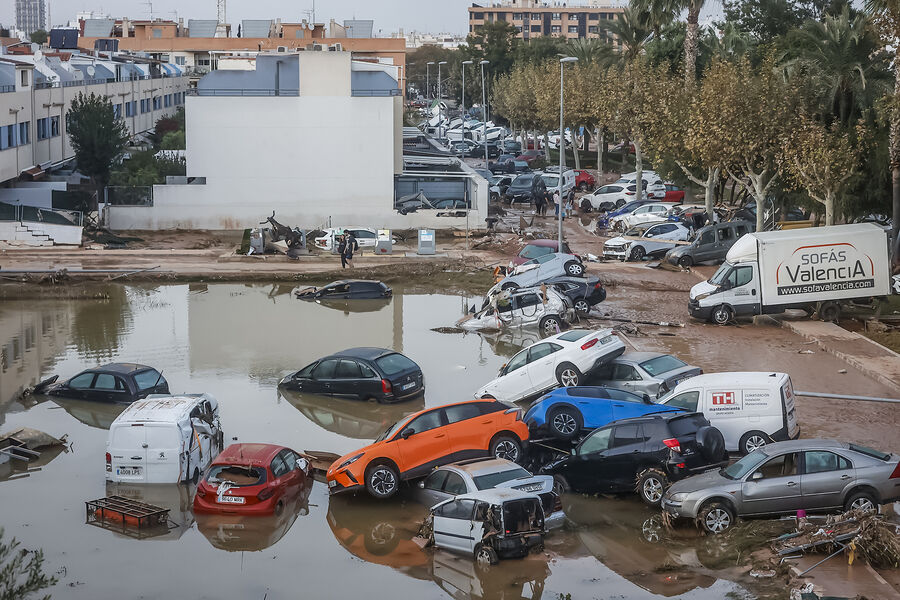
814	269
750	409
164	439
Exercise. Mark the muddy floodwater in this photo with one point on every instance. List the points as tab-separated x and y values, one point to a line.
236	342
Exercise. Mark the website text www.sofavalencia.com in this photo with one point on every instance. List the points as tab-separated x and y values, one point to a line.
834	286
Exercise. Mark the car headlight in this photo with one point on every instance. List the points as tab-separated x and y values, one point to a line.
700	297
677	497
350	460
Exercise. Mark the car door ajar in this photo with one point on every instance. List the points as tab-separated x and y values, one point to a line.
454	528
774	487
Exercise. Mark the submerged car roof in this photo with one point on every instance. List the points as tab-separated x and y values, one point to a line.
161	409
483	466
544	243
122	368
370	353
242	454
343	281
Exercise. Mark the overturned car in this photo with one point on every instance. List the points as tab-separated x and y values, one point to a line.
543	307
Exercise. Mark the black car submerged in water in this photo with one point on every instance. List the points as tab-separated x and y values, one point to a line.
115	382
346	289
364	373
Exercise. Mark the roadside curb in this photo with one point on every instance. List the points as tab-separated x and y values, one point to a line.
873	359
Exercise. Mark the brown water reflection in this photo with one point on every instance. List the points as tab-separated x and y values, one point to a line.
235	342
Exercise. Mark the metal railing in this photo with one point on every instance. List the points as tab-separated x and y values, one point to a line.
120	195
242	92
7	88
375	93
20	213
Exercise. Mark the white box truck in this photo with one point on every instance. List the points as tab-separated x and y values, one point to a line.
812	269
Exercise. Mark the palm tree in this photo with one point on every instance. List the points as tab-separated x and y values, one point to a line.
690	40
839	56
726	44
632	32
657	13
587	51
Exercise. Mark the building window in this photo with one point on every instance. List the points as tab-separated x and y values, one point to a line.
517	16
24	78
593	29
42	129
556	16
555	29
573	28
54	126
501	16
157	102
117	111
145	105
179	60
478	16
7	137
593	16
535	16
24	133
535	29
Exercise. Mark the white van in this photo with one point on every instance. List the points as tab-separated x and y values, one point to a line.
164	439
750	409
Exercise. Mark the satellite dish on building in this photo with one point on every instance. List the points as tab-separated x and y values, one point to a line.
38	56
91	70
35	48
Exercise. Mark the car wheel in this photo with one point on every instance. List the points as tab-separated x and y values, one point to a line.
716	517
382	480
551	325
574	268
638	253
651	485
381	539
619	227
507	448
582	306
568	375
722	314
565	422
509	285
863	501
586	206
485	556
685	262
561	485
829	312
583	186
752	440
620	203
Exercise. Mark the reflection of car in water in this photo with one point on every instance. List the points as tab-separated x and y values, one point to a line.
241	533
629	539
174	497
18	469
351	418
382	533
93	414
508	342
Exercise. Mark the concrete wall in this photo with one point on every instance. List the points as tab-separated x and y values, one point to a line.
68	235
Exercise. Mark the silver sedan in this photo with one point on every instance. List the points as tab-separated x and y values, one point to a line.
784	477
650	373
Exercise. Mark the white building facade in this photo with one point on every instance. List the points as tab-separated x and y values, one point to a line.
314	136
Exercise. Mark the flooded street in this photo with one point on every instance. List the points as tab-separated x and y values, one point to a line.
235	342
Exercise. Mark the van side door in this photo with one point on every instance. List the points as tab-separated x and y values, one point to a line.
453	526
723	406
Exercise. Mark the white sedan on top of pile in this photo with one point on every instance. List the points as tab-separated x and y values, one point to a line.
646	240
564	359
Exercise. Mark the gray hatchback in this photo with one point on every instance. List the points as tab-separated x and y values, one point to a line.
651	373
784	477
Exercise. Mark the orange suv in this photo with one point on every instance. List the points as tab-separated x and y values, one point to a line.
435	436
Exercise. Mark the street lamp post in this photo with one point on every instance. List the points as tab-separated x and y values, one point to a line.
560	146
440	101
427	86
465	63
484	112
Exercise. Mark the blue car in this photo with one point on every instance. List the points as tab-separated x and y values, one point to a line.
565	412
625	208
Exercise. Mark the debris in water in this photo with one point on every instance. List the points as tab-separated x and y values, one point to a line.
805	352
448	330
763	574
842	371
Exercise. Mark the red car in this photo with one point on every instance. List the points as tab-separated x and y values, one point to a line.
252	479
530	156
674	193
536	248
584	181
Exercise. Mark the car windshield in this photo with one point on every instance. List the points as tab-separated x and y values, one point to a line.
237	475
687	425
574	335
485	482
745	465
870	452
522	181
721	274
392	430
392	364
532	251
662	364
630	207
636	231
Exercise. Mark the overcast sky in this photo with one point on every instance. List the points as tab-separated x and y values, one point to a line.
434	16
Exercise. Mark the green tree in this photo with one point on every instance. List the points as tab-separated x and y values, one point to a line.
767	20
822	159
39	37
539	49
97	136
495	42
632	31
658	14
174	140
21	572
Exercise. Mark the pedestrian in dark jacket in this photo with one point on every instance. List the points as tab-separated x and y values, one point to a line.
342	248
350	246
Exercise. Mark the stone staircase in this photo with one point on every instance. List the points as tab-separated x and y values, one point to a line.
30	234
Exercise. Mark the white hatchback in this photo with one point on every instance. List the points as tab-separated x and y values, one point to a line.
365	237
646	213
564	359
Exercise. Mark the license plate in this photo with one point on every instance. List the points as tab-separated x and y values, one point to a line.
332	483
531	488
128	471
409	385
230	499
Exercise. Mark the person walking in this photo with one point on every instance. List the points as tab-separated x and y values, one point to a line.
342	250
539	203
556	203
350	246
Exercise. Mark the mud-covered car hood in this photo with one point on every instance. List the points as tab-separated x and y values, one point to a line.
617	241
701	482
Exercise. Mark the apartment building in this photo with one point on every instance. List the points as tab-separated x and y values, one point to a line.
30	15
37	90
198	46
534	19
